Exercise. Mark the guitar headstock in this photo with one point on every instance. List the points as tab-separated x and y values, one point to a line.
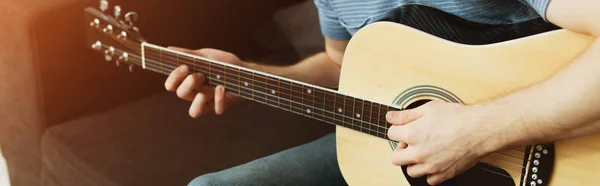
113	33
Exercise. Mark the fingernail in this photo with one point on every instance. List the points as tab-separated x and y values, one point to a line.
183	69
390	116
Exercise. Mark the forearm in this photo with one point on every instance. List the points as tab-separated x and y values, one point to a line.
565	105
319	69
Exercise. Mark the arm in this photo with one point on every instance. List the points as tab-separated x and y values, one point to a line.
322	69
574	110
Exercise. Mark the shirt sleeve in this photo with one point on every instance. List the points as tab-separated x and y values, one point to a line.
330	23
540	6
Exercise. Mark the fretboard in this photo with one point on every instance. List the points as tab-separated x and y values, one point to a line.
308	100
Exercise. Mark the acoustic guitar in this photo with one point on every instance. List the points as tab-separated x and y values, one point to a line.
413	55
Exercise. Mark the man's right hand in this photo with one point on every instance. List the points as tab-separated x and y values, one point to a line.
191	87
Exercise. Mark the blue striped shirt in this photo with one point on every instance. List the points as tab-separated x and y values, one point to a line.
340	19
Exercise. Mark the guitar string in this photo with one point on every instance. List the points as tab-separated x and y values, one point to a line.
301	95
149	51
325	93
302	113
240	71
136	47
366	117
162	64
167	71
223	70
169	56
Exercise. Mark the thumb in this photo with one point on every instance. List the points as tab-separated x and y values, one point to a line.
403	117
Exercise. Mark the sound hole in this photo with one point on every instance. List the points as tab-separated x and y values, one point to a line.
480	174
418	103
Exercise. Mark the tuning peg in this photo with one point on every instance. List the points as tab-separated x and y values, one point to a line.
108	29
131	68
117	11
131	17
122	36
95	23
124	57
118	63
108	54
97	45
103	5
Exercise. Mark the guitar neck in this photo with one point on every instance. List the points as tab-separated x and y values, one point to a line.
308	100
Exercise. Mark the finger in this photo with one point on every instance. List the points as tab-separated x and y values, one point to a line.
231	99
401	133
220	103
401	157
200	105
418	170
185	50
176	77
403	117
218	55
191	86
401	145
436	179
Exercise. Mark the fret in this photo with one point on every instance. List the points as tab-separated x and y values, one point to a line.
330	109
349	111
239	71
209	74
260	88
357	114
319	104
308	101
366	117
286	95
382	123
296	95
178	62
153	54
231	79
246	84
273	89
340	109
160	62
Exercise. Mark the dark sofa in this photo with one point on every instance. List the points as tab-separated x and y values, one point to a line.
67	117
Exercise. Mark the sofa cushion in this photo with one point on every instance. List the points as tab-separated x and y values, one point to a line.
155	142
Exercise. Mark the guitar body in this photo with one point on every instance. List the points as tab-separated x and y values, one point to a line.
396	64
413	55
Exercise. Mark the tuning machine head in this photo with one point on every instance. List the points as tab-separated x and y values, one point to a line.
131	18
103	5
109	53
117	10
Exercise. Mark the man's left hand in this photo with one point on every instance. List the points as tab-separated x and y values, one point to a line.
444	140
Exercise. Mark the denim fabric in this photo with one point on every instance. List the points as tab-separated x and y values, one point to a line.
314	163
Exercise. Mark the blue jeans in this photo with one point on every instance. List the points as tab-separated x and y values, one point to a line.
314	163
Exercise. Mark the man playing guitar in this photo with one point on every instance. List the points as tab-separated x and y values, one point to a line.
438	140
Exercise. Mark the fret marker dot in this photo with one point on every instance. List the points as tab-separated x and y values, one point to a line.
357	115
308	91
245	83
218	76
273	92
308	111
340	110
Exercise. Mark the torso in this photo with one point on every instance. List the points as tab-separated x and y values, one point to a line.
355	14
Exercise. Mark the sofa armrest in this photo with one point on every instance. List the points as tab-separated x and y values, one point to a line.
48	76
